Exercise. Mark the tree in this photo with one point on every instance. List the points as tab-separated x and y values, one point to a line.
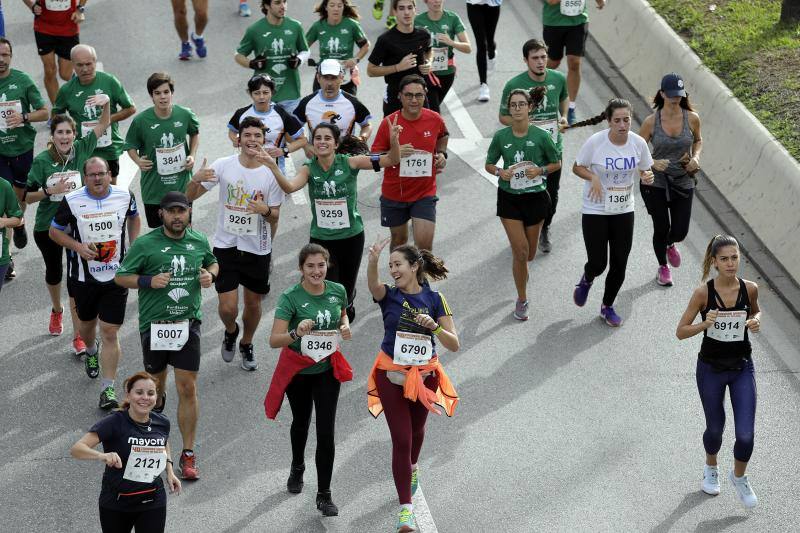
790	11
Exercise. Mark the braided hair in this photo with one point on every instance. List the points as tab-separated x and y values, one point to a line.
613	105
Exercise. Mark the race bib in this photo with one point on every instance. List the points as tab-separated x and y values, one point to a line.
319	344
418	164
439	59
169	336
332	214
239	221
572	8
170	160
100	227
145	463
57	5
412	349
618	199
729	326
550	126
6	108
102	141
519	180
73	182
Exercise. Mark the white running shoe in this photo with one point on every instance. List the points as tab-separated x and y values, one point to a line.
491	64
744	492
483	93
711	480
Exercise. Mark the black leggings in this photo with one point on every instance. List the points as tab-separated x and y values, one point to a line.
670	218
345	261
52	254
320	391
436	93
553	183
483	20
149	521
601	233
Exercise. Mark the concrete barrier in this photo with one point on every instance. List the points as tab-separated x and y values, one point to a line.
744	161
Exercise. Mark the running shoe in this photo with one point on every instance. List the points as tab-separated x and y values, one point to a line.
521	310
248	357
414	481
295	482
11	273
78	346
673	256
544	240
91	363
391	22
229	345
188	465
483	93
581	292
186	52
325	503
571	118
56	326
159	407
199	45
744	492
405	521
664	276
20	237
377	10
108	399
244	9
610	316
711	480
491	64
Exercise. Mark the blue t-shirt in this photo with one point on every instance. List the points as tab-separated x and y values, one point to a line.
399	310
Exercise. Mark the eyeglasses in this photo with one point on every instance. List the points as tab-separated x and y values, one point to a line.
518	105
414	96
94	175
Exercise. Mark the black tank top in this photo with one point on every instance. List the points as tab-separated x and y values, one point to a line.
726	355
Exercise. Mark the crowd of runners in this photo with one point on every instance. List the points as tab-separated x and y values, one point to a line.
67	199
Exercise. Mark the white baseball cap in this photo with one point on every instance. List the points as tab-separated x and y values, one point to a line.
330	67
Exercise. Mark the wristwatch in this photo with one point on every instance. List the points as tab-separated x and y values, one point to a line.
81	9
497	172
25	118
543	171
285	152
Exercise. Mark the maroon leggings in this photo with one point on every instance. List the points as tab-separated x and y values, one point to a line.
406	422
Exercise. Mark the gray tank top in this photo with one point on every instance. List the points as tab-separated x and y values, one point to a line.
672	148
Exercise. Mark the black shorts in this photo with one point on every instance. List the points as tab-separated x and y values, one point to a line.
236	268
187	358
15	168
398	213
105	301
531	208
62	46
113	166
573	38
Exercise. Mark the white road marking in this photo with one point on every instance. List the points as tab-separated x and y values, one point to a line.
472	149
127	171
31	385
422	513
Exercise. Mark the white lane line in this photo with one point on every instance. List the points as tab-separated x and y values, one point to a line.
422	513
30	385
472	149
456	108
298	197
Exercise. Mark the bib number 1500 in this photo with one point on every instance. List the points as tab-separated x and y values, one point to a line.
101	225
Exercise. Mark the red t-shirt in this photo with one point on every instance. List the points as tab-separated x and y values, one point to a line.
55	20
422	134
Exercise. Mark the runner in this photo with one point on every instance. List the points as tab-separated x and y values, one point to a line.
407	377
249	205
448	34
332	176
20	105
548	115
163	142
728	307
309	319
607	162
338	32
10	216
674	132
529	157
72	99
408	191
135	452
279	46
244	8
56	171
566	26
180	18
56	27
399	52
91	223
169	266
284	133
483	16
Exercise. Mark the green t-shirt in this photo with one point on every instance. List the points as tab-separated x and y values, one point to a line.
326	191
71	99
549	110
150	134
450	23
537	147
277	44
336	42
551	15
45	166
9	207
154	253
18	92
296	305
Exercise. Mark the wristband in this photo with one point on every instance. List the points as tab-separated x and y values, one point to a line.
170	461
285	152
543	171
375	159
26	119
293	334
144	282
438	330
443	153
46	194
34	6
497	172
213	277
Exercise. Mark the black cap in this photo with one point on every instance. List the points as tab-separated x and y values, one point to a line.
175	199
672	85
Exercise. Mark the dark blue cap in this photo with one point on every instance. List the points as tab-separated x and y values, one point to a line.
672	85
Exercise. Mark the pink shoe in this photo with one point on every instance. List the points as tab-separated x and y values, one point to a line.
673	256
664	277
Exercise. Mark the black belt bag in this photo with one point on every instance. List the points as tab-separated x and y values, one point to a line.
139	497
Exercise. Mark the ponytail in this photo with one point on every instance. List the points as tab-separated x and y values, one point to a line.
719	241
352	145
429	266
597	119
613	105
130	382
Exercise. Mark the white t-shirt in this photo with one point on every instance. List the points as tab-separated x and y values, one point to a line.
238	185
618	168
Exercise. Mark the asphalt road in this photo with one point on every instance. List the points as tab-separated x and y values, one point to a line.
565	424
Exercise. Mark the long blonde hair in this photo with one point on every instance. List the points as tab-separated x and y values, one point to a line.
713	248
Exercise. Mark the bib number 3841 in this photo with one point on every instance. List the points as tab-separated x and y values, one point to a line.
729	326
145	463
170	160
412	349
319	344
169	336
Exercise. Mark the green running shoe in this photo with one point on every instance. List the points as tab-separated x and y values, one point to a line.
405	521
108	399
414	481
391	22
377	9
91	363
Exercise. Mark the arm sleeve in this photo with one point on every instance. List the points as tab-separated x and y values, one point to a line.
133	210
63	216
284	310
